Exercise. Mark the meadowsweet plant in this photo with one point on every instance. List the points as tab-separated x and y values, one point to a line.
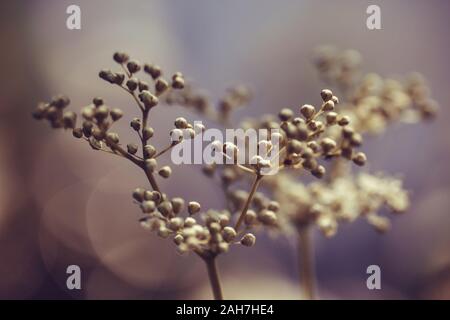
371	104
206	233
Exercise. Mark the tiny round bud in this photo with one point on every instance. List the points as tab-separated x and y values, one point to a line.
101	113
151	164
294	146
178	83
318	172
132	84
132	148
335	100
161	85
116	114
250	217
248	240
98	101
360	159
176	223
136	124
193	207
345	120
149	99
148	133
328	145
165	172
189	222
326	94
120	57
331	118
178	239
268	217
181	123
165	208
147	206
307	111
112	137
176	136
285	114
69	119
133	66
177	204
273	206
149	151
229	234
138	194
153	70
347	132
143	85
328	106
77	133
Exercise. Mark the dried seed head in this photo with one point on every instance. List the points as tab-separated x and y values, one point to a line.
136	124
116	114
121	57
165	172
326	94
307	111
119	78
294	146
132	148
193	207
147	133
133	66
360	159
60	102
348	132
248	240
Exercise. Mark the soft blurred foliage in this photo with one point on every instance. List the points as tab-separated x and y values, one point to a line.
62	204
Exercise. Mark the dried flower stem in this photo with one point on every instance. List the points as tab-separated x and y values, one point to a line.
248	201
214	278
306	263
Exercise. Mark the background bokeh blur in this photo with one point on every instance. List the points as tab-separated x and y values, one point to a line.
62	204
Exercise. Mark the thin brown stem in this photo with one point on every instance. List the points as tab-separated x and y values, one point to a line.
306	263
214	278
248	201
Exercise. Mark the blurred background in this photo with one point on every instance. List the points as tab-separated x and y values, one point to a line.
62	204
